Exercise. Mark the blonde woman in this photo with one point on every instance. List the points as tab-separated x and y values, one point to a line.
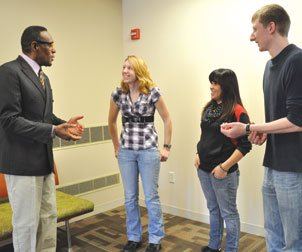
137	150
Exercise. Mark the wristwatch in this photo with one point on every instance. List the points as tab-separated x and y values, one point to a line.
168	146
247	129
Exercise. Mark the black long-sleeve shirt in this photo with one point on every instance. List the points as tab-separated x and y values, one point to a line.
282	85
214	147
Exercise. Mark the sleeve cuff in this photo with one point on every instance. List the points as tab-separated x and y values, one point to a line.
295	120
53	131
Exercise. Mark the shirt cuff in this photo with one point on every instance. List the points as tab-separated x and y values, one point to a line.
53	131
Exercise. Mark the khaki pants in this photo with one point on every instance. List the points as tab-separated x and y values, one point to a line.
33	201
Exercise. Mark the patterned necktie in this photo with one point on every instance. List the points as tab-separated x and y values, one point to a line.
42	79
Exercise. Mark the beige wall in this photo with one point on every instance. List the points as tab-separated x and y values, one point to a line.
88	39
182	42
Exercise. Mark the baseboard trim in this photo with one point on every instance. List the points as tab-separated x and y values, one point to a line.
197	216
185	213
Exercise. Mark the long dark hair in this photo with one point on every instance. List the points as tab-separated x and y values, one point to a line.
230	97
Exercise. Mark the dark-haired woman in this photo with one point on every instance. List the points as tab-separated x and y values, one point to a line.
217	157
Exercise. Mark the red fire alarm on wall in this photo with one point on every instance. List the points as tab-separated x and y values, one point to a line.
135	34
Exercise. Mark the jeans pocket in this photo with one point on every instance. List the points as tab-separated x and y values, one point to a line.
220	178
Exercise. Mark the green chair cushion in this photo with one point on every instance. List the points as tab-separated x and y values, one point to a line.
5	220
68	206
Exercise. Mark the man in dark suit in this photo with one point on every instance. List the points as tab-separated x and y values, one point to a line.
27	127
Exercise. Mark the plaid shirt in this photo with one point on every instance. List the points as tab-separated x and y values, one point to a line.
137	136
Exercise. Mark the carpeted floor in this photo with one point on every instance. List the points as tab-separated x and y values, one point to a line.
105	232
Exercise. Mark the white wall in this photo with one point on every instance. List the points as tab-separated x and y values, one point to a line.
182	42
88	40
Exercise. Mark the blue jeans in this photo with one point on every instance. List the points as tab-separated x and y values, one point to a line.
221	201
282	205
147	164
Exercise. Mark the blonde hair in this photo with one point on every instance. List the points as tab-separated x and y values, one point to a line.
273	13
142	73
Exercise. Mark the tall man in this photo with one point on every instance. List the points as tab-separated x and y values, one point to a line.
282	85
27	126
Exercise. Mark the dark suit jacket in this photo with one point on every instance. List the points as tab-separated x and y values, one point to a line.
26	120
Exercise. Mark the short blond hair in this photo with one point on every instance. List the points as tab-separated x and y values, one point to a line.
142	73
273	13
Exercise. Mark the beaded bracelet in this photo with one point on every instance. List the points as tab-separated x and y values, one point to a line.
222	168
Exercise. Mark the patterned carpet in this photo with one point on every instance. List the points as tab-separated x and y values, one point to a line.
105	232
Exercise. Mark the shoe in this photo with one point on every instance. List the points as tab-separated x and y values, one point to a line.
208	249
131	246
153	247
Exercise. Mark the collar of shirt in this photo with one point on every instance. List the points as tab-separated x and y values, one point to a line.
34	65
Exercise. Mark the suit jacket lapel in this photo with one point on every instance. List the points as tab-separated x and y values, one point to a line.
31	75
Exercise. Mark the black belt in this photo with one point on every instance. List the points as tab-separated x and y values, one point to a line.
141	119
